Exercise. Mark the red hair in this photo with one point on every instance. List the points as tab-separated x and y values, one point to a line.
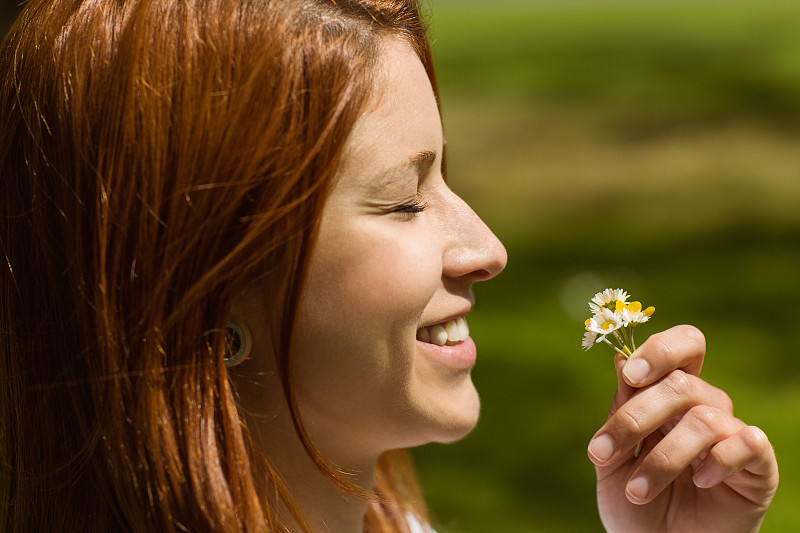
156	157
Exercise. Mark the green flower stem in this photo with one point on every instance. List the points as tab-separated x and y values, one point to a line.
619	338
625	341
624	352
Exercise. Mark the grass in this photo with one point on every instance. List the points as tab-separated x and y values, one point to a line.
651	146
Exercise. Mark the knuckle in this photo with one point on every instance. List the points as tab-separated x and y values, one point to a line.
659	344
692	333
755	440
709	418
660	461
684	338
628	422
679	383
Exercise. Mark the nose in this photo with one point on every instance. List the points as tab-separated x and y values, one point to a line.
473	252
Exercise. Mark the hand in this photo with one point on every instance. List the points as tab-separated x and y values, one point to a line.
700	469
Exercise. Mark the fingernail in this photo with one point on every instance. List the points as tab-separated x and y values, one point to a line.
601	448
638	488
702	479
636	370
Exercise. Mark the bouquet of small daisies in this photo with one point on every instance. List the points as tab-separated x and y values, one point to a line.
613	320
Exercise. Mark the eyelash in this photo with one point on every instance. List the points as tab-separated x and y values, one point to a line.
411	209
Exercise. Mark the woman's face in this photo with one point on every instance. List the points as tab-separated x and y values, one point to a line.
397	255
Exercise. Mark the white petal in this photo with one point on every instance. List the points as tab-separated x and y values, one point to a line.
589	339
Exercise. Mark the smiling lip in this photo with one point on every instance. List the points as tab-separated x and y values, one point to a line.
458	356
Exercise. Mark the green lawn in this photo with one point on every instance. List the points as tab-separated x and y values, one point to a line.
653	146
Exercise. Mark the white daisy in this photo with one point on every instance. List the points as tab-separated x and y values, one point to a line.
633	315
611	313
604	322
589	339
607	299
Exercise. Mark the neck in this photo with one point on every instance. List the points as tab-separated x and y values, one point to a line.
326	508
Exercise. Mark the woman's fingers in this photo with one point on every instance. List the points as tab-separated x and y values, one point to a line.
699	429
681	347
748	449
691	438
624	391
652	408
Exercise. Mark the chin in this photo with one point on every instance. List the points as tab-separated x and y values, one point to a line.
460	418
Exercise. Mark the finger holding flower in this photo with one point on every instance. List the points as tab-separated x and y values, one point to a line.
701	469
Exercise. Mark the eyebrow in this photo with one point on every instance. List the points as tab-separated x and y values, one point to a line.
419	163
423	161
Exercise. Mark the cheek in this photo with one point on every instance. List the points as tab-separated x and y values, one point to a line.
381	276
355	333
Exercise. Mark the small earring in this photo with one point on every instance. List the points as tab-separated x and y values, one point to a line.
240	344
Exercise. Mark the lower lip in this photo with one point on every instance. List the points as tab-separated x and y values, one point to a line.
459	356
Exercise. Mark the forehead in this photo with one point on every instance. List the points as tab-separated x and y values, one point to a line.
401	126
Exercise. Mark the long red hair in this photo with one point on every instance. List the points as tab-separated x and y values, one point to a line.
156	156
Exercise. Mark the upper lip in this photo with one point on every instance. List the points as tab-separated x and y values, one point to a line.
463	312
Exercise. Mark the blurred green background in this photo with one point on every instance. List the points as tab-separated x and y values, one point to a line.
648	145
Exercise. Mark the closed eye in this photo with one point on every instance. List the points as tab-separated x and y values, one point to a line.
411	209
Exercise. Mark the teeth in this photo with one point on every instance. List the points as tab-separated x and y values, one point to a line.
462	323
452	331
438	335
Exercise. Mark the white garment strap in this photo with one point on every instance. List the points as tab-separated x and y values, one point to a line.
414	525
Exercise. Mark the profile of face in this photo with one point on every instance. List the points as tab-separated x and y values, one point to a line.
396	256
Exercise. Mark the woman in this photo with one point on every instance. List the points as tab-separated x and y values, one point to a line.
236	281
